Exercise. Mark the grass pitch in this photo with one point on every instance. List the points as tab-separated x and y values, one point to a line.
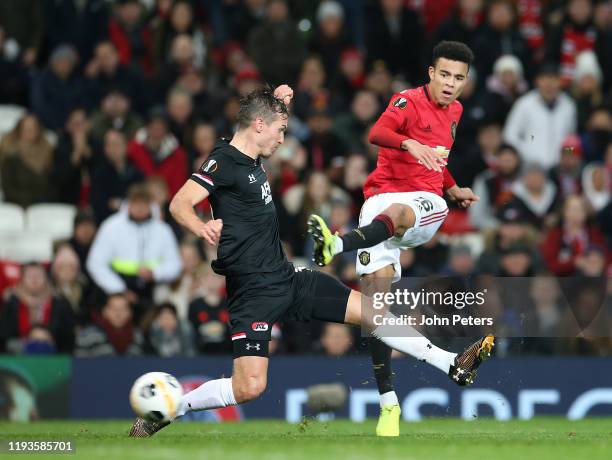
541	439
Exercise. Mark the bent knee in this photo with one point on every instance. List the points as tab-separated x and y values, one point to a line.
249	389
403	217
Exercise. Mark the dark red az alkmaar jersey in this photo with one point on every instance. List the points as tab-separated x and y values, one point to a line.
412	114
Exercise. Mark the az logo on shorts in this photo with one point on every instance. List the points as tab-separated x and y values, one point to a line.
259	326
364	257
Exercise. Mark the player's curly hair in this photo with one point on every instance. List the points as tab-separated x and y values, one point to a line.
454	51
260	103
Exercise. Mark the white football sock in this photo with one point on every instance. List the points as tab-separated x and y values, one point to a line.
338	246
388	399
210	395
417	346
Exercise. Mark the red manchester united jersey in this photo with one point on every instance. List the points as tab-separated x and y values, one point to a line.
412	114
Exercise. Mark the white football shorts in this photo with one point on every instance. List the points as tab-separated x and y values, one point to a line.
430	210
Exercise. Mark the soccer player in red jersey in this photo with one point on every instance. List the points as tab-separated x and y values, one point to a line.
404	204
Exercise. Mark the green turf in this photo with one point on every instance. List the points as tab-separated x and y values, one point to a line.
541	439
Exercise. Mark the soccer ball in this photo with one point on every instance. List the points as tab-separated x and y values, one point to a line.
156	396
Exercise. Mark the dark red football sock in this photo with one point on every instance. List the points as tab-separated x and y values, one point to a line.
379	230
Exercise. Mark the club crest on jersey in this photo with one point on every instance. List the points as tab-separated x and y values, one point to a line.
454	129
364	258
259	326
210	167
400	102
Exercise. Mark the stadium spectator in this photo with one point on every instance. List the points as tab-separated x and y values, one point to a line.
311	91
395	35
112	175
428	259
26	161
462	23
592	264
540	119
587	86
336	340
81	24
516	260
246	79
598	134
57	89
587	322
566	175
112	332
155	151
565	243
23	23
494	187
596	185
39	341
301	200
467	164
33	302
330	37
114	113
536	194
355	175
350	77
72	158
209	316
105	73
542	318
187	286
203	140
504	87
179	106
513	231
83	235
324	147
577	33
161	200
348	128
500	35
180	20
276	46
242	17
181	70
461	262
380	81
70	283
131	36
166	334
474	112
133	250
13	74
227	120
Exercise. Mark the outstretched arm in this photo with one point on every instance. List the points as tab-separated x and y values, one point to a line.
181	208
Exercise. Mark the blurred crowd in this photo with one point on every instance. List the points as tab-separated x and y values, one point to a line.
121	99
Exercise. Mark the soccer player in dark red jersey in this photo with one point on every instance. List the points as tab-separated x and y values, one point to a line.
404	199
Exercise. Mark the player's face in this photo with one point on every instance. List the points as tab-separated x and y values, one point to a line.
272	135
447	80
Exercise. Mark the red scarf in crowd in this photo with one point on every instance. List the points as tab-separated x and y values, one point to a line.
24	321
119	338
574	41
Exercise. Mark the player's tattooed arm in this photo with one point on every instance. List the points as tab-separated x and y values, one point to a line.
463	196
181	208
